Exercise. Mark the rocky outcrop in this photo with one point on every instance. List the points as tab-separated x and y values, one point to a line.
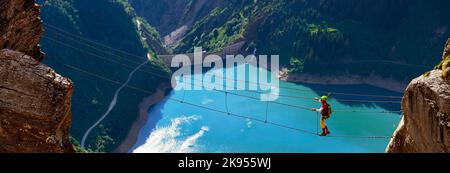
445	64
34	106
447	49
425	126
169	15
172	18
21	27
34	100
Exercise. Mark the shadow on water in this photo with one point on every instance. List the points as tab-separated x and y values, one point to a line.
362	89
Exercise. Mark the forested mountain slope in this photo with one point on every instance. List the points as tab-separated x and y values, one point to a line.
397	39
389	38
110	24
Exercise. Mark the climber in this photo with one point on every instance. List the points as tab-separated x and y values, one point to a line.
325	111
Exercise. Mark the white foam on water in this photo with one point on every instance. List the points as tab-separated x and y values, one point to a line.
170	139
207	101
188	145
249	123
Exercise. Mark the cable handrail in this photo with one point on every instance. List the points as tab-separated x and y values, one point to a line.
289	88
229	113
165	77
88	40
151	73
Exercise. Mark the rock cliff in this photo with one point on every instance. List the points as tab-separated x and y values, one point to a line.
21	27
35	101
425	127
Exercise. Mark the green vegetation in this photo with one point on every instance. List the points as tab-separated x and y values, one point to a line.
426	74
445	67
112	24
65	8
446	74
343	36
297	65
102	140
77	147
154	35
100	144
270	27
390	38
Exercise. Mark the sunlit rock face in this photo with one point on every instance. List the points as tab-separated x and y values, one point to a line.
425	126
35	101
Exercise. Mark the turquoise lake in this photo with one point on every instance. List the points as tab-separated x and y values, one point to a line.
176	127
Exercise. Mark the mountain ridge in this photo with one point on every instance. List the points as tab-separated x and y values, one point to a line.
353	34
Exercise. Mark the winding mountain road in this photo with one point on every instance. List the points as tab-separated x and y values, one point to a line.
111	105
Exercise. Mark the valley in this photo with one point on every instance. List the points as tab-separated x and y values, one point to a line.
325	45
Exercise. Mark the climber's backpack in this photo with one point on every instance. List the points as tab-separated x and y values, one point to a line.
326	112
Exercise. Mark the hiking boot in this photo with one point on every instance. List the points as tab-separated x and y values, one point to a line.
324	132
327	131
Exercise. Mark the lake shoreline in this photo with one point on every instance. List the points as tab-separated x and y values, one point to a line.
144	106
159	95
373	80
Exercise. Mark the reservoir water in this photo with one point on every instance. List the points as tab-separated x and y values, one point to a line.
176	127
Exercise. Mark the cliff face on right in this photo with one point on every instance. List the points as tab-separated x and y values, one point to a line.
425	127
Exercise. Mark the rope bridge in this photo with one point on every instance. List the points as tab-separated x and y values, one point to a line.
154	72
